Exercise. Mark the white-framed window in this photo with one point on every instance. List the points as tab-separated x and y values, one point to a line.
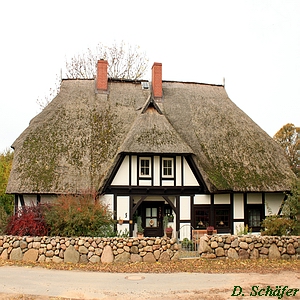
167	167
145	166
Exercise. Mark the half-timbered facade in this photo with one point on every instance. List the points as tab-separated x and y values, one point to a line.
152	149
155	186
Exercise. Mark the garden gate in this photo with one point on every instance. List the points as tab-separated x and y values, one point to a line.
188	242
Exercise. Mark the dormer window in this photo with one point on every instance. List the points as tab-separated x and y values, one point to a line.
145	167
167	167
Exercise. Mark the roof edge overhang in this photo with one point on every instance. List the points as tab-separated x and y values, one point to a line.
193	82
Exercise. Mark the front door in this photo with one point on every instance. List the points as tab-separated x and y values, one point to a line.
152	218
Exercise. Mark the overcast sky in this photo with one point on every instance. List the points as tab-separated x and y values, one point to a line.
254	45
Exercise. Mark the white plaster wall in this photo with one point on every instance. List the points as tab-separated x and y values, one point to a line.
237	226
202	199
108	199
185	231
254	198
145	182
122	228
222	199
238	206
188	177
273	201
123	207
156	171
178	171
122	176
134	170
167	182
29	200
185	208
48	198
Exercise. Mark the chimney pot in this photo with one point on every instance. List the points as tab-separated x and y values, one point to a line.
101	83
157	80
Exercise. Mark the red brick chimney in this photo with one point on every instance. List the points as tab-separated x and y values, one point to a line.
101	83
157	80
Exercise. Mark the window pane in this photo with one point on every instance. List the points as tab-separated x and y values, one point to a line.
254	218
167	167
148	212
222	218
145	163
202	218
145	167
154	211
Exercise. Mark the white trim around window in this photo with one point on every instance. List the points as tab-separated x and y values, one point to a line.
145	166
168	167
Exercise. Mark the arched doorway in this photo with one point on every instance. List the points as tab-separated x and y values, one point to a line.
152	210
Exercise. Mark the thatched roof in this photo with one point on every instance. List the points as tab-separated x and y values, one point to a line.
152	133
73	144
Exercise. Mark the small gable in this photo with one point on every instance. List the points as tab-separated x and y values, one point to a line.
151	103
153	133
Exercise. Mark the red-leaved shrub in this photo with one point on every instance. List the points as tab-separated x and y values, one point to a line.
29	220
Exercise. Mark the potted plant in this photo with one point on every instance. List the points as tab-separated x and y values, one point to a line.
169	231
170	217
134	217
165	221
140	229
210	230
187	245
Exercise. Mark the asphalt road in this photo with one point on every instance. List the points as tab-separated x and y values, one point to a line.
96	285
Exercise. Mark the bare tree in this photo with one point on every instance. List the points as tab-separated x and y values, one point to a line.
124	62
53	91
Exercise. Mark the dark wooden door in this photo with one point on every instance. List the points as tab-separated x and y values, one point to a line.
152	218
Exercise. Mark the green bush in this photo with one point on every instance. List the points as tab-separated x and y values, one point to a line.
289	222
7	202
278	225
3	220
79	215
291	208
187	244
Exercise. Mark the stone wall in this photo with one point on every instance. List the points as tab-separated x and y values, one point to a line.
87	249
249	246
107	250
